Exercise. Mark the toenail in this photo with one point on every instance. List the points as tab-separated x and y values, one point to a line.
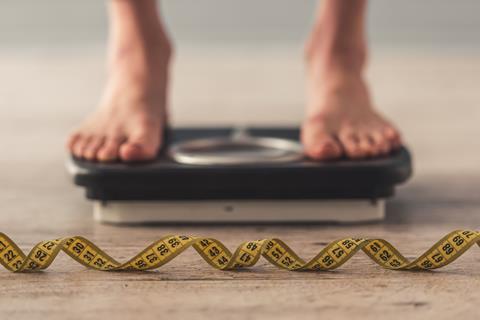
391	133
71	140
322	151
325	146
106	158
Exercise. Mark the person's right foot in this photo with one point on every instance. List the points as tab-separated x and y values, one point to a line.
130	120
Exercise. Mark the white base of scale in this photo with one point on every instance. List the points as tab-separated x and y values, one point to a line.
238	211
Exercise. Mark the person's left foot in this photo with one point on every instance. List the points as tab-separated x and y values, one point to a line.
341	120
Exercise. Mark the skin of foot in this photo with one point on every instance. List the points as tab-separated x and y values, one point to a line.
341	120
130	119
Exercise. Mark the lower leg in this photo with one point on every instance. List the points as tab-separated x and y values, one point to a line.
128	124
341	120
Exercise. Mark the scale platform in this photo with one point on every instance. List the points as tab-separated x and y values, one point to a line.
296	190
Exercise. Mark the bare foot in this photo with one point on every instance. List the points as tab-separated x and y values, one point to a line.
129	122
130	119
341	120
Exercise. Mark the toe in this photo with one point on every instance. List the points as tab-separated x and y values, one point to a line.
72	139
366	146
138	151
141	147
350	143
134	151
90	150
380	144
80	145
110	149
325	148
393	137
319	144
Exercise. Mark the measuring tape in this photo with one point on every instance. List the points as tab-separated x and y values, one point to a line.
442	253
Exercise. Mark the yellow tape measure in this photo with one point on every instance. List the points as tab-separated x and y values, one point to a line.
449	248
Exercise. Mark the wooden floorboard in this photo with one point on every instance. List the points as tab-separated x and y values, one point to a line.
37	202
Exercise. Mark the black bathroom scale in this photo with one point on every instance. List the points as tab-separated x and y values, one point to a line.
248	175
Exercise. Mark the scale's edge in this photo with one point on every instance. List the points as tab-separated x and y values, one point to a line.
397	172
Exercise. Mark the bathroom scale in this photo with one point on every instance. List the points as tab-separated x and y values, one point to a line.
240	175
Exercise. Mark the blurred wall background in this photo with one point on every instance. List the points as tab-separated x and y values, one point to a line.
428	23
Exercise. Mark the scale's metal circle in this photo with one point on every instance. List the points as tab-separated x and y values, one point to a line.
236	150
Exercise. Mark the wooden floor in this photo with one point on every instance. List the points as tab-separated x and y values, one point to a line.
434	98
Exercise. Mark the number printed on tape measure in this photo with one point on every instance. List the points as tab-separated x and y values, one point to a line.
445	251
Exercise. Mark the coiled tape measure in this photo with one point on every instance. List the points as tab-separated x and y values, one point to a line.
442	253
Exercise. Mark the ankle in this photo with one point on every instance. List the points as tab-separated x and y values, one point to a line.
328	52
157	49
